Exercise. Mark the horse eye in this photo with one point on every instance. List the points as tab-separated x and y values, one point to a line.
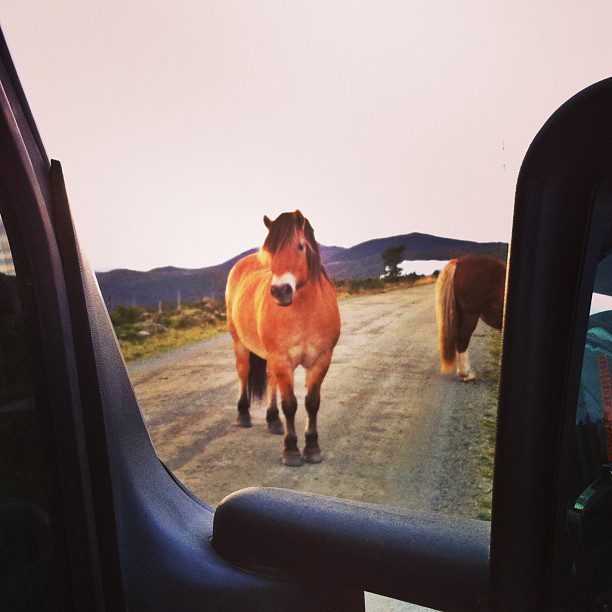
300	247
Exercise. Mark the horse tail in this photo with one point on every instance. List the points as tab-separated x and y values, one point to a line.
258	377
446	315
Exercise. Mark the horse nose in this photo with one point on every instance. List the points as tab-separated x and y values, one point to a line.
282	293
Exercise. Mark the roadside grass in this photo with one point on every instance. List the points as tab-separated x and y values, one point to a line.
147	332
488	425
172	339
346	288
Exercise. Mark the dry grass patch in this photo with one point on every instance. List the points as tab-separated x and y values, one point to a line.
346	288
170	340
146	332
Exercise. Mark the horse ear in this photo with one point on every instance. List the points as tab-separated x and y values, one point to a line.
299	219
267	221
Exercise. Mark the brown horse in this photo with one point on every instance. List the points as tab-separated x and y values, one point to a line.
282	312
467	289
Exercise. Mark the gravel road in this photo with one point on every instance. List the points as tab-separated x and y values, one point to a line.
392	429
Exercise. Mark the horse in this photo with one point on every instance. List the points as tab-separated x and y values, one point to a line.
467	289
282	311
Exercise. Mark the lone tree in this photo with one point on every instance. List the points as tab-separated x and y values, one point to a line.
392	258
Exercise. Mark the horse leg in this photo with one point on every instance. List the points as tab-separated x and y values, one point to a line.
242	368
314	380
466	329
283	375
275	425
464	368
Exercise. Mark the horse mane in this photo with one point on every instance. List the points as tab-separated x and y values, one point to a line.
284	230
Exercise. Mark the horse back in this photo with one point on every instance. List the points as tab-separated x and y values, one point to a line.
479	287
244	296
242	278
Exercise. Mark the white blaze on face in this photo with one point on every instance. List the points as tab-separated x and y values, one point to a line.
285	279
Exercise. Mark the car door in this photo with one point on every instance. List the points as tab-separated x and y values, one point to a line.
127	535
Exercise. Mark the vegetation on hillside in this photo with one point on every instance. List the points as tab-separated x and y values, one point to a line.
392	258
350	287
360	261
145	332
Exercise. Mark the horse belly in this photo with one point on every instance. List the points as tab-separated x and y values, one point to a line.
479	288
493	315
251	340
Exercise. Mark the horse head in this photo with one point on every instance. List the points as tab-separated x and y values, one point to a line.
294	255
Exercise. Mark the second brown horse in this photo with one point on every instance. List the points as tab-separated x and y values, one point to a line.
282	312
468	289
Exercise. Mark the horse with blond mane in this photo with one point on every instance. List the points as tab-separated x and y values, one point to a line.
467	289
282	312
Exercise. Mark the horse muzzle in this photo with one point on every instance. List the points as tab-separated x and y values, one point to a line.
282	294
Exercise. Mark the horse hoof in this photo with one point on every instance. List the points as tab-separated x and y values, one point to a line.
276	427
313	456
244	420
468	376
292	458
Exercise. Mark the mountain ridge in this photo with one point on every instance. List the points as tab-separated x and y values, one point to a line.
363	260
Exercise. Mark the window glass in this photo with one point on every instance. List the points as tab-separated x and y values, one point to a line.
389	125
351	140
366	122
28	560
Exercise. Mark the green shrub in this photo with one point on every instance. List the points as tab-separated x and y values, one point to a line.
163	319
185	322
128	333
126	315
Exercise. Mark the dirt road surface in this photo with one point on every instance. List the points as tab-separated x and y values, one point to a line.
392	429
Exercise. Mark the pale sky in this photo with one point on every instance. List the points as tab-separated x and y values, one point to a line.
180	124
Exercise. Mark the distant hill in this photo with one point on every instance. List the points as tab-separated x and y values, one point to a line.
360	261
364	259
